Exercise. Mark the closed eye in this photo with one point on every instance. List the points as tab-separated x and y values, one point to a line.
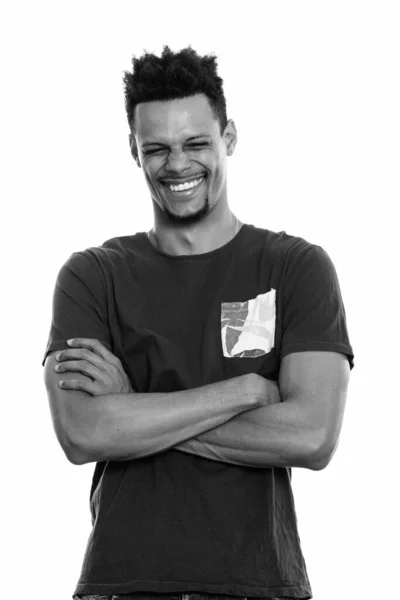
203	145
154	151
193	146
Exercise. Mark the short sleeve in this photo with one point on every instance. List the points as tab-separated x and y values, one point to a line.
79	303
314	316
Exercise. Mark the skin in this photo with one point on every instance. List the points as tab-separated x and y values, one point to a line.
293	424
296	423
186	141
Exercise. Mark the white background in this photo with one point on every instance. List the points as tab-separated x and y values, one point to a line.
313	88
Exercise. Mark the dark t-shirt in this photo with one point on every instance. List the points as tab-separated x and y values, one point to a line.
176	522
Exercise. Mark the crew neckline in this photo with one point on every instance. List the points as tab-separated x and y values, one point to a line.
197	257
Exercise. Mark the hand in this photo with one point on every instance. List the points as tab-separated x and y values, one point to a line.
266	391
273	393
91	358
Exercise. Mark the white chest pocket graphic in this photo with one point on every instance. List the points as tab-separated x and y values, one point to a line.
248	328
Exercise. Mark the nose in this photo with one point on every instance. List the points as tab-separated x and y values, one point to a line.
177	162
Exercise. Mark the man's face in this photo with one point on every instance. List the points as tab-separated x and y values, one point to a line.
179	145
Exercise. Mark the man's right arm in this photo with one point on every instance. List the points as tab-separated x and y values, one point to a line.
128	426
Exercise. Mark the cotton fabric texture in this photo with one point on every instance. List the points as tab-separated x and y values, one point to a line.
176	522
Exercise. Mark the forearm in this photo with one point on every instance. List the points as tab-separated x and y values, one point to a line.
128	426
275	435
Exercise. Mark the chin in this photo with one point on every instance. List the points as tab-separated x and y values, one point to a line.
189	217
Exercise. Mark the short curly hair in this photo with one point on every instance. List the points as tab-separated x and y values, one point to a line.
174	75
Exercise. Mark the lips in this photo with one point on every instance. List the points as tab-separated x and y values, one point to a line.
183	186
178	180
179	192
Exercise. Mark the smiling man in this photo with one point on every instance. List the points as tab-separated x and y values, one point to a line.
182	147
196	365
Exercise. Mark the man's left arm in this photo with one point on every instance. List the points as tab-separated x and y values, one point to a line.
301	430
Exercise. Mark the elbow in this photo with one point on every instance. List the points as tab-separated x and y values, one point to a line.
77	453
320	458
78	441
317	463
81	453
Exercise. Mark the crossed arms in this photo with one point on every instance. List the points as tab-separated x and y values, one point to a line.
247	420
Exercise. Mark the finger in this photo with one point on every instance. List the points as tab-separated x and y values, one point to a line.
80	366
80	354
96	346
81	385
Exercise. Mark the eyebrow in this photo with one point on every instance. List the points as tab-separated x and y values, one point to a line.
194	137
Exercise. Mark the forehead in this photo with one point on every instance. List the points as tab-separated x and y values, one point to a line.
173	120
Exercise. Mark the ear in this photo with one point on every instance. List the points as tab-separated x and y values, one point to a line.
230	137
134	149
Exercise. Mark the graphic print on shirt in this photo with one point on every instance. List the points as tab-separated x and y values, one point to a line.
248	328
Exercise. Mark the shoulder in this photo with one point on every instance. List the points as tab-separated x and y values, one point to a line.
290	249
100	257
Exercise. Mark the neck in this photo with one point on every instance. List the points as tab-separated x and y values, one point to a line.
198	239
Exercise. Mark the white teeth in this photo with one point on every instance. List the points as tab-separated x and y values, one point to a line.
185	186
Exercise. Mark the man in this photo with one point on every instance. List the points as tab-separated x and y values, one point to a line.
208	358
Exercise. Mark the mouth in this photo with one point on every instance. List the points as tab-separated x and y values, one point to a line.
186	187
